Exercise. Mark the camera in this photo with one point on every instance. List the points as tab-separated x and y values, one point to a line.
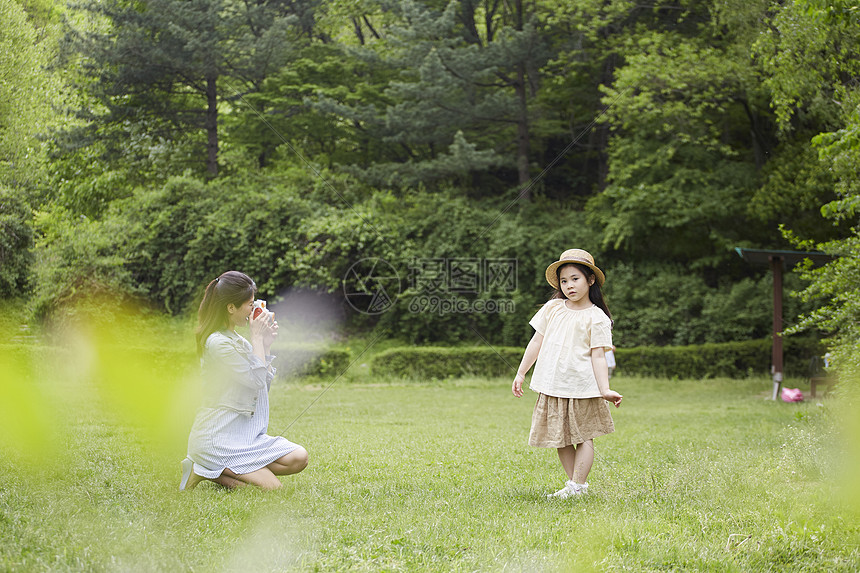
259	307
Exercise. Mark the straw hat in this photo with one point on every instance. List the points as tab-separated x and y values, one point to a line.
573	256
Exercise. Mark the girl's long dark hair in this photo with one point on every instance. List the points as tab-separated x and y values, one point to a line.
595	294
231	287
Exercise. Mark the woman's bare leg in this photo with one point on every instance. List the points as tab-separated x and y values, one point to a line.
263	478
229	479
225	480
292	463
193	480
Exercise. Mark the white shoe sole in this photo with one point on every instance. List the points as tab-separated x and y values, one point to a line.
567	492
187	467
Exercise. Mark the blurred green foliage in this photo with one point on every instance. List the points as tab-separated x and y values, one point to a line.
25	426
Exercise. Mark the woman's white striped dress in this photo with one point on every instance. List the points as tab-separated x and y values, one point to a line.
225	434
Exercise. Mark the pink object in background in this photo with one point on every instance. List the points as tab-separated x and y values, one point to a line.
792	395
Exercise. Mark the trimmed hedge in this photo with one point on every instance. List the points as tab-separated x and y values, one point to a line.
729	359
437	362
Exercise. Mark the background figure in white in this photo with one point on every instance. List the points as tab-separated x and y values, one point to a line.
610	360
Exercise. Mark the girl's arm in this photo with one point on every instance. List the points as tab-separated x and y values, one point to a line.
529	358
601	372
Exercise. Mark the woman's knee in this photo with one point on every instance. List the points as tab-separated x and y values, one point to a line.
292	463
301	459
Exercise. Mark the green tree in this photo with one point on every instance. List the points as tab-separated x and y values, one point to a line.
278	123
465	79
163	67
811	53
27	90
28	93
77	260
681	166
697	163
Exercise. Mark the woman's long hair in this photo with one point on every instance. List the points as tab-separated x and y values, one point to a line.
595	294
231	287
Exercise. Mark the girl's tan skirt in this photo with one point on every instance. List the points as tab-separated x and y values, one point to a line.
560	422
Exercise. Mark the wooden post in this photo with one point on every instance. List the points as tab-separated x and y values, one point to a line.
778	260
776	365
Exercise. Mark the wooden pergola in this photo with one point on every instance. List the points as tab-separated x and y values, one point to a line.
778	261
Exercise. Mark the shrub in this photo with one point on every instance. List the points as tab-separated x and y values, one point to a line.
446	362
166	241
185	233
77	261
16	244
731	359
679	308
291	360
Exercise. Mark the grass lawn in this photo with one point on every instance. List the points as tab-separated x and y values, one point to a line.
699	475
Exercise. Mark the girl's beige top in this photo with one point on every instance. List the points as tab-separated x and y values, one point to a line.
563	366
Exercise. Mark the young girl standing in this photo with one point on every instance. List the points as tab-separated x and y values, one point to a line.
228	443
572	332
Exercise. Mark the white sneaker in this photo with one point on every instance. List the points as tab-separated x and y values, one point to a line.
187	466
563	493
570	489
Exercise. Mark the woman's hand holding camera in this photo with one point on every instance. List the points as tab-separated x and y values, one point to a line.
264	328
271	331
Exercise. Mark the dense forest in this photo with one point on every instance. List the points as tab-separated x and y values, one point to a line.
148	145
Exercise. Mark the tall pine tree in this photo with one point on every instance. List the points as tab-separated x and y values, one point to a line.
462	100
162	67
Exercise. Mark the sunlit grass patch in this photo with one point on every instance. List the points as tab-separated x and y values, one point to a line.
25	425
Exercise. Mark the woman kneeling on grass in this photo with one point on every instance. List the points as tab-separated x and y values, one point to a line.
228	443
572	332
